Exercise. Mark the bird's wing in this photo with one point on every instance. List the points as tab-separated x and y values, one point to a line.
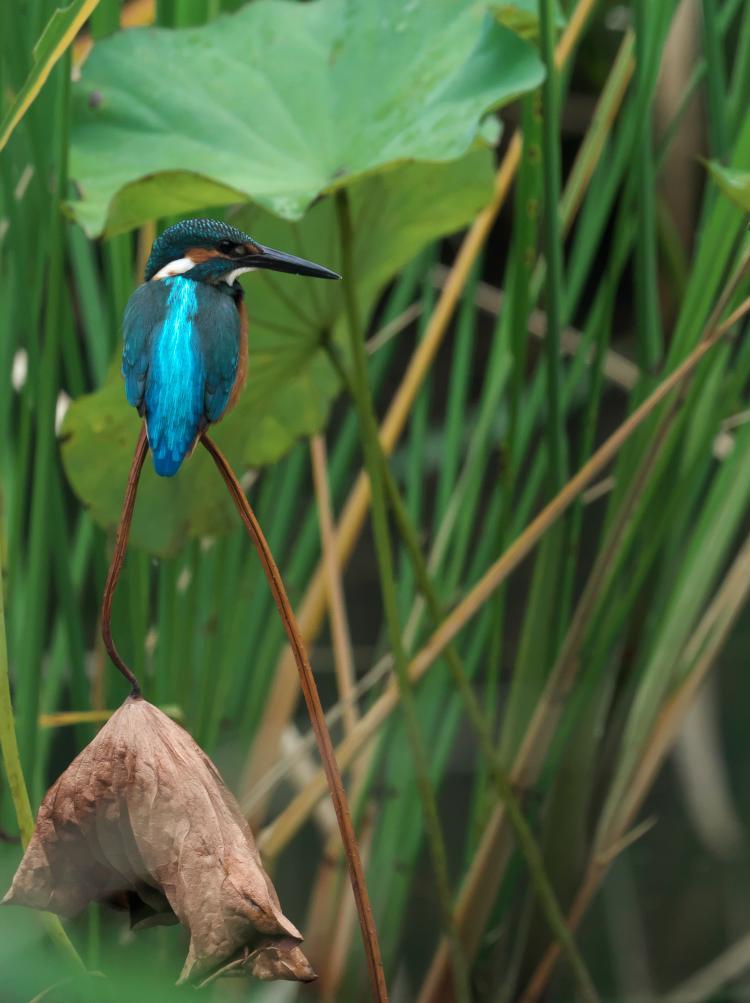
219	333
144	316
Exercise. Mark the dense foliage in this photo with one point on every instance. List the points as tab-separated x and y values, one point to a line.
504	186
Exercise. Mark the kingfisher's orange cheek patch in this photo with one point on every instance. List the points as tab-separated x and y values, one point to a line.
240	379
201	254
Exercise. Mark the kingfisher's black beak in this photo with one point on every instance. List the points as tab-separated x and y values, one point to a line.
279	261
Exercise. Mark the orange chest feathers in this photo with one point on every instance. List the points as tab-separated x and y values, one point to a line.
241	377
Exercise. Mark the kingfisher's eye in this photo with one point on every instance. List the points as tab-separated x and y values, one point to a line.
226	246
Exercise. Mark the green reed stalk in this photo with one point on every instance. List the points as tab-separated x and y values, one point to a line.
16	783
648	321
523	832
716	81
369	437
552	244
44	466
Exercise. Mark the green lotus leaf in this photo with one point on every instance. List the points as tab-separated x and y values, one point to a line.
282	102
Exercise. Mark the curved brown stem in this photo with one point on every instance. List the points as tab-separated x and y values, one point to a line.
317	719
118	559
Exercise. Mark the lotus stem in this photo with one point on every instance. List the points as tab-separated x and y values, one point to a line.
317	719
118	559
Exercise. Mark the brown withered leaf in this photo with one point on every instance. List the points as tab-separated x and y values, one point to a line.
281	958
141	819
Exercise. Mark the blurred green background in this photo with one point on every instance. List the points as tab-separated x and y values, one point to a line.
539	208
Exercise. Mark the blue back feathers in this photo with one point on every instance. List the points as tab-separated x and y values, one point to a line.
179	362
174	394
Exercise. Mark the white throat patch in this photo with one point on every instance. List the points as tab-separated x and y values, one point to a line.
231	276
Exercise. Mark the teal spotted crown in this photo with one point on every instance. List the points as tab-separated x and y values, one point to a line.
175	240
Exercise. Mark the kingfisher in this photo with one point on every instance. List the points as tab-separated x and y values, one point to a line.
185	353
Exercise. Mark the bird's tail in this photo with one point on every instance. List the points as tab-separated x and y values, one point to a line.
171	441
166	463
